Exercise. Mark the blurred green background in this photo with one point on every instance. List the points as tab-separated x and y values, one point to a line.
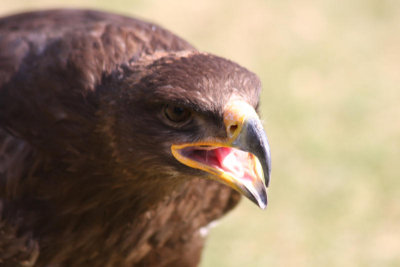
331	107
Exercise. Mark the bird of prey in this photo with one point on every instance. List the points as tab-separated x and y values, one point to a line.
119	141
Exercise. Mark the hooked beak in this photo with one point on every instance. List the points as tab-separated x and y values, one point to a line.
241	161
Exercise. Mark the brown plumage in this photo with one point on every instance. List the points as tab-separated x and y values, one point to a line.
87	177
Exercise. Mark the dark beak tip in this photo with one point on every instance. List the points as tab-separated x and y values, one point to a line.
260	198
267	180
263	202
262	205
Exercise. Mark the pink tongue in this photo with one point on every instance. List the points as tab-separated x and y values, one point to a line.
236	162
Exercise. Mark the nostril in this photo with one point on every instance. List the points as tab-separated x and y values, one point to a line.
232	129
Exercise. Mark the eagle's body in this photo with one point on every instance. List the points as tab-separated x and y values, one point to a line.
86	174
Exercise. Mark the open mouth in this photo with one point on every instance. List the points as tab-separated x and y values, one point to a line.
236	168
239	164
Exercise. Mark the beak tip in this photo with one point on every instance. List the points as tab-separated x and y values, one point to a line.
257	196
263	201
267	179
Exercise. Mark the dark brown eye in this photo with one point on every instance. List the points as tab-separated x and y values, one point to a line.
176	114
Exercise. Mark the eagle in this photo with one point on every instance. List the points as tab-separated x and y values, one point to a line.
119	141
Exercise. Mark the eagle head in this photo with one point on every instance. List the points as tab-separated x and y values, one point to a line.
182	115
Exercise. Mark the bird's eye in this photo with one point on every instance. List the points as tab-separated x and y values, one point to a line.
176	114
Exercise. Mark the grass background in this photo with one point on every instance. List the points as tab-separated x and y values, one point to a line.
331	107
